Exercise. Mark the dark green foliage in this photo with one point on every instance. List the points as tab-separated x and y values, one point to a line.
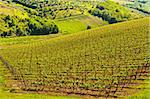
27	3
21	27
42	27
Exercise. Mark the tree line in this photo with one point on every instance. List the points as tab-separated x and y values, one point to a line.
15	26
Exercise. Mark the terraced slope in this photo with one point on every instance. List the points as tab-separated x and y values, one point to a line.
103	62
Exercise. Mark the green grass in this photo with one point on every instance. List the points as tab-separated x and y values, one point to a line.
78	23
144	93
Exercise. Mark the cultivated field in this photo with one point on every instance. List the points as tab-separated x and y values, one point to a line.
104	62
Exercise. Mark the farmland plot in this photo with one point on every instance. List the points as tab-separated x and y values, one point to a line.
100	62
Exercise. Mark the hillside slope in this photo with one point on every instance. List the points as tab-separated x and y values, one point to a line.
103	62
78	23
30	17
16	21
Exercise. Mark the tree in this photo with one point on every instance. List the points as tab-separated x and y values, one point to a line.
88	27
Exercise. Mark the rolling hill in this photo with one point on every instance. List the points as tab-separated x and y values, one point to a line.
103	62
30	17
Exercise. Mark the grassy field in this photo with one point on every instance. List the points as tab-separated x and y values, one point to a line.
78	23
99	62
144	93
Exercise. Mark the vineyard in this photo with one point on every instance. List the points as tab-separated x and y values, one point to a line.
103	62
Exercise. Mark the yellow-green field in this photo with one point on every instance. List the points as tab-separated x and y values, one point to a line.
104	62
78	23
